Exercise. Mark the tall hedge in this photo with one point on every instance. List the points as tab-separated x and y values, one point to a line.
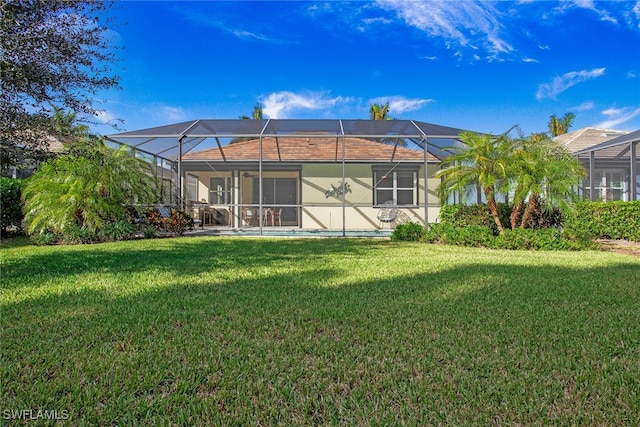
471	215
606	220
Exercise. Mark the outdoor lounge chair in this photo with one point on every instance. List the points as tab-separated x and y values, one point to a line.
388	213
164	212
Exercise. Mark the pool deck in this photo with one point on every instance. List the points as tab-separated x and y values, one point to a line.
286	232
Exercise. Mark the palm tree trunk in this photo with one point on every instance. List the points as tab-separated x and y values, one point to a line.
493	207
515	214
526	216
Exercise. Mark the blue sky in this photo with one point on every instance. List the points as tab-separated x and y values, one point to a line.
483	66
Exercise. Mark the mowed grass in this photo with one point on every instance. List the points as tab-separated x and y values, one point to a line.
240	331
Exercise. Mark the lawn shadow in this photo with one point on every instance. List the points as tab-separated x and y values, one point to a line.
178	256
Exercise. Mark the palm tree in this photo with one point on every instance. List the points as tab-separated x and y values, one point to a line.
527	164
65	125
545	174
484	161
256	114
554	178
85	191
560	126
379	112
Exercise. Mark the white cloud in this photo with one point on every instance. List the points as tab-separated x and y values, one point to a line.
204	19
585	106
618	116
163	114
589	5
105	117
459	23
567	80
280	105
376	21
399	104
529	60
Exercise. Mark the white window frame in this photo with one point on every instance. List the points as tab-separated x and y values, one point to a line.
394	188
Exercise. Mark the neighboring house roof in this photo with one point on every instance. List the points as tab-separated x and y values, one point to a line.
303	149
613	147
588	137
54	144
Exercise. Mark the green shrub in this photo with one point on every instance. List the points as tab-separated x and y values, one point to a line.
11	214
409	231
76	234
118	230
606	220
548	239
471	235
43	238
150	232
179	222
478	214
518	239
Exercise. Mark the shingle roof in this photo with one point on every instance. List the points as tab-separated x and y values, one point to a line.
588	137
303	149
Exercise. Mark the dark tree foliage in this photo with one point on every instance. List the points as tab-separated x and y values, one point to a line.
54	54
10	205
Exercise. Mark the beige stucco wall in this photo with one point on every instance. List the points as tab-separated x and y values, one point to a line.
322	212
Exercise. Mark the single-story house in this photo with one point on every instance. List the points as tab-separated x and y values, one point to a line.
611	160
308	174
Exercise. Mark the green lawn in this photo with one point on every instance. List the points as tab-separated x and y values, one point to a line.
211	330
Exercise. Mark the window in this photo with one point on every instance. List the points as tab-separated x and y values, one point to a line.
166	188
609	184
398	185
192	187
220	191
278	192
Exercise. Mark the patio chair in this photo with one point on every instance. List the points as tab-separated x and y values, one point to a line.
164	212
247	216
388	213
276	217
208	216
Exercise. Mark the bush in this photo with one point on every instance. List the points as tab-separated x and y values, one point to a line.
471	235
43	238
155	219
541	218
518	239
547	239
179	222
11	214
76	234
478	214
606	220
115	231
410	232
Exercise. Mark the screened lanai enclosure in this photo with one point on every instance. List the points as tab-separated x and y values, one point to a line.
613	169
318	175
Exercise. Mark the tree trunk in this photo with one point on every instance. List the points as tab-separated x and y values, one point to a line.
531	205
515	215
493	207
